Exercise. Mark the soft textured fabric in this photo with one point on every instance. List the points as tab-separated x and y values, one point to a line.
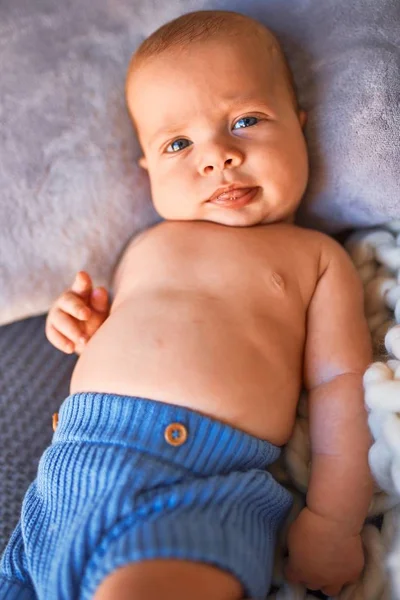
34	380
130	479
71	193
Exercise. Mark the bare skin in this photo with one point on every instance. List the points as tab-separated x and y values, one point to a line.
210	338
169	580
231	310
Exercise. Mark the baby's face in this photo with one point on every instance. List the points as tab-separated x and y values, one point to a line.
217	117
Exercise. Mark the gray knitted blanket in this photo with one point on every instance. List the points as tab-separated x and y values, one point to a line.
34	380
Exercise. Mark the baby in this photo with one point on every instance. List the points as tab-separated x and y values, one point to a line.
155	485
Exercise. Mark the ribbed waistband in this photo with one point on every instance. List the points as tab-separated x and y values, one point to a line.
210	447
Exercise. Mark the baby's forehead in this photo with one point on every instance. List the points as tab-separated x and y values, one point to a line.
249	57
250	61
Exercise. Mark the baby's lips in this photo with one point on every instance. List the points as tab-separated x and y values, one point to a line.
233	194
226	192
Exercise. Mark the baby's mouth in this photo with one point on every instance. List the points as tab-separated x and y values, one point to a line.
233	196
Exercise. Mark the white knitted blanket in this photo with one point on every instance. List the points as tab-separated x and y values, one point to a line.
376	255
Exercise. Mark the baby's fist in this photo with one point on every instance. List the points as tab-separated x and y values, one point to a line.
322	556
77	314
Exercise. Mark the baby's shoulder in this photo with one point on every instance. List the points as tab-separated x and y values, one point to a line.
333	261
136	239
311	240
317	242
125	256
312	253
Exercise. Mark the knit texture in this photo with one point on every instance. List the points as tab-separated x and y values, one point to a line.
117	487
34	381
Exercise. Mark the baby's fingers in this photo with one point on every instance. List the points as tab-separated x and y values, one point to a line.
59	340
73	305
67	326
82	284
99	300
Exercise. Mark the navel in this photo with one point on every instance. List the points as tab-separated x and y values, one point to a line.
278	281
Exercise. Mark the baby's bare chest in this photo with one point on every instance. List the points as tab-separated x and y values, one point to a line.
259	268
225	305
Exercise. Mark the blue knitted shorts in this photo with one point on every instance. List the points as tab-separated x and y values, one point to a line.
130	479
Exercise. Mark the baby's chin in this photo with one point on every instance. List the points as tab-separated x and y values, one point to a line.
247	216
234	220
257	212
241	219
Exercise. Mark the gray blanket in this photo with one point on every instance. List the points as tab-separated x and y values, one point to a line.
34	379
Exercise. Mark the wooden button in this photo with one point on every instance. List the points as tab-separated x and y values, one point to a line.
55	421
175	434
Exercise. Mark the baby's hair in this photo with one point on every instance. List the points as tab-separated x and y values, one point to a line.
204	25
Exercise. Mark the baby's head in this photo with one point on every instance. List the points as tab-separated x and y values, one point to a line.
212	101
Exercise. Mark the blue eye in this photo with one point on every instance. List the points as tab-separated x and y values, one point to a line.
178	145
245	122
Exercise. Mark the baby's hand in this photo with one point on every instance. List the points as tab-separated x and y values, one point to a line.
322	556
77	314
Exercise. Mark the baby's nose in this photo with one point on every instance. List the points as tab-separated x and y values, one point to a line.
220	157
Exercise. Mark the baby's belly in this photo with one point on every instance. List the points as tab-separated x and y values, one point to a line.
231	365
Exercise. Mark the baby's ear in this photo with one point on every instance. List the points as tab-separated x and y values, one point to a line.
143	162
302	118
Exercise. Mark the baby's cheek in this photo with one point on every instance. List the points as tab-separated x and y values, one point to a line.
287	174
170	199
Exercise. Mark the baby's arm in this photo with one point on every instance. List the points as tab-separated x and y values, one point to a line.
325	549
77	314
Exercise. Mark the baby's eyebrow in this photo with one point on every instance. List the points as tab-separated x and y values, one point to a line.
256	103
237	99
165	132
232	101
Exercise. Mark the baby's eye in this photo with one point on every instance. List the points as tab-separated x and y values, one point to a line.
178	145
245	122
